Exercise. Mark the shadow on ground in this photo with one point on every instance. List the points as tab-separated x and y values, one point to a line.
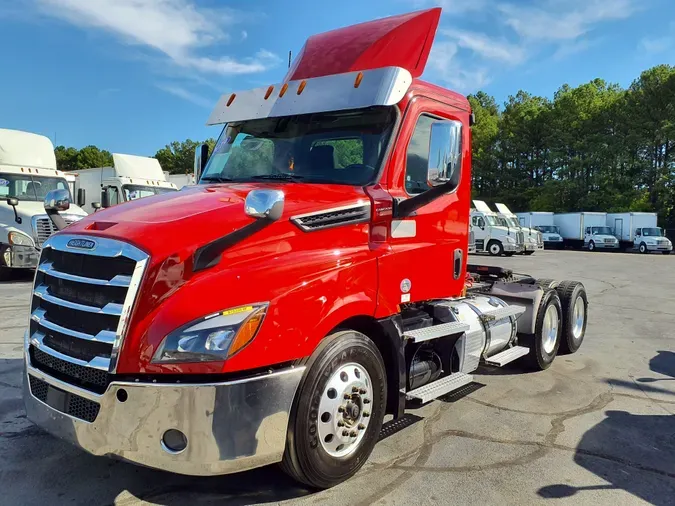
632	452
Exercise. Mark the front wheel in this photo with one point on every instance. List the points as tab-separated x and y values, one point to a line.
495	248
643	248
338	410
591	246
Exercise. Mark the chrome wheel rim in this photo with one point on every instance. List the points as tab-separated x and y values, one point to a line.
591	246
549	331
344	410
578	317
494	249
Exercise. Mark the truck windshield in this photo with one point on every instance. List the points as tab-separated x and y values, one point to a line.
513	222
137	191
652	232
601	230
548	229
343	147
28	187
492	220
502	221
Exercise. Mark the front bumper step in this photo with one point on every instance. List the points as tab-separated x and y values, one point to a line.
435	389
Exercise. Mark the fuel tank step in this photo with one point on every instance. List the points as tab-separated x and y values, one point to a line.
502	312
507	356
435	389
442	330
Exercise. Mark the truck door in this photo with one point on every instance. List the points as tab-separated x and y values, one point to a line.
618	228
479	232
428	247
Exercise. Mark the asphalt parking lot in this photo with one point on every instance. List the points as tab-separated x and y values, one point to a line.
596	428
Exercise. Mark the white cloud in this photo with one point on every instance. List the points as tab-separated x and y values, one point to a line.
462	77
180	92
454	7
657	44
559	20
177	28
487	47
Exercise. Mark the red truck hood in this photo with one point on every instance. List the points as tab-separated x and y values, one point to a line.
180	222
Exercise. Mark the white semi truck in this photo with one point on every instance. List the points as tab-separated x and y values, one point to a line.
543	222
131	177
180	180
533	240
639	231
27	172
490	236
587	230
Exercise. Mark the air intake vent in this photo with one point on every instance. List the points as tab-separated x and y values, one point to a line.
358	213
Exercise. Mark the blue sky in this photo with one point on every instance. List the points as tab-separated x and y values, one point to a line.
132	75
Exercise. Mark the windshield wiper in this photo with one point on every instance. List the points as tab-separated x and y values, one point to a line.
281	176
217	179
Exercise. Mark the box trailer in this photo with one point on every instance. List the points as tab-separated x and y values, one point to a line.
543	222
586	229
638	231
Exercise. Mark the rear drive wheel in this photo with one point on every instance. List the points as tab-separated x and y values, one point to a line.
546	340
666	252
547	283
591	246
643	248
338	410
574	304
495	248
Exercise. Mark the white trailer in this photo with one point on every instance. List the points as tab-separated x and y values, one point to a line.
544	223
586	229
639	231
181	180
131	177
27	173
534	240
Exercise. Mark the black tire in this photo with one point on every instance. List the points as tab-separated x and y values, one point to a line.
509	253
497	250
569	292
643	248
529	253
666	252
305	459
5	273
547	283
540	359
591	246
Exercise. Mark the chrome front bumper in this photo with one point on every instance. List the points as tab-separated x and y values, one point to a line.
230	427
19	257
659	247
509	246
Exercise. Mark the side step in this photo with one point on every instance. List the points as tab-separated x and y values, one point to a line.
442	330
502	312
507	356
430	391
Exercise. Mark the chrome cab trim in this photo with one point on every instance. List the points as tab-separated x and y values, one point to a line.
230	426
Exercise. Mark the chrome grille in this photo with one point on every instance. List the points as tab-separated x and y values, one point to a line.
43	228
520	238
82	300
540	238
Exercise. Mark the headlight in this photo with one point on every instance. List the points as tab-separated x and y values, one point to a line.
20	239
510	239
213	338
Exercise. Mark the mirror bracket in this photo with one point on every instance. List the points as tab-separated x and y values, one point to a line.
13	201
55	201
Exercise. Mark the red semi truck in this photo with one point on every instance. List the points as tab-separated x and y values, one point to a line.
315	281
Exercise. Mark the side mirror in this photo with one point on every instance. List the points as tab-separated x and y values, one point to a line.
81	197
264	204
57	200
96	206
201	157
13	202
445	153
105	198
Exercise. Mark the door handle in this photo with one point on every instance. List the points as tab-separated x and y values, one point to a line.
459	256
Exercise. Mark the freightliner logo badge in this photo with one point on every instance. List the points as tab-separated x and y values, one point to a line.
81	243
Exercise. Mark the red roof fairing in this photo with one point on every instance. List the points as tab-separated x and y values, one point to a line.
398	41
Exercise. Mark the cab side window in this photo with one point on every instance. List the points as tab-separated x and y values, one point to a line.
417	159
588	230
478	221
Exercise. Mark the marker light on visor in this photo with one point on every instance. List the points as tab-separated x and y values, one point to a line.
213	338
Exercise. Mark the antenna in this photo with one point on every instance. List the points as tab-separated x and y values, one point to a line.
289	59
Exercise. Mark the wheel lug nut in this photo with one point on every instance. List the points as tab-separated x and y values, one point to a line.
347	396
361	426
355	389
345	433
341	409
366	401
362	391
341	424
366	414
353	433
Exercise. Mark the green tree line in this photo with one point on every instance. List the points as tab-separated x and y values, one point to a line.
594	147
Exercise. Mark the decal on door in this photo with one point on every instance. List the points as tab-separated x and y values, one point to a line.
403	228
405	288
